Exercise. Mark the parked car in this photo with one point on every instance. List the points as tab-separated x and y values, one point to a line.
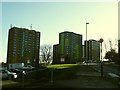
28	67
17	71
16	66
5	74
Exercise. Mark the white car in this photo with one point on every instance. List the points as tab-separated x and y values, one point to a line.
5	74
28	67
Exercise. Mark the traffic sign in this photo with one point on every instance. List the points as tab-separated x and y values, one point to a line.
101	40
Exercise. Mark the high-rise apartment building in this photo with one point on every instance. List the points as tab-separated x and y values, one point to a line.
23	46
92	50
56	54
70	46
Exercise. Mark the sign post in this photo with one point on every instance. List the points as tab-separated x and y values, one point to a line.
101	41
23	79
51	75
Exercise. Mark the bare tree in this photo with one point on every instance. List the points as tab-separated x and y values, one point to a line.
46	53
105	47
112	54
113	44
116	44
110	45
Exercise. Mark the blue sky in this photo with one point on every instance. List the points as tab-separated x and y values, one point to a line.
50	18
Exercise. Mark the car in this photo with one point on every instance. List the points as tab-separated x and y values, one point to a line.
83	62
88	61
5	74
17	71
28	67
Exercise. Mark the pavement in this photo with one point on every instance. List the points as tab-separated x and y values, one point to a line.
87	77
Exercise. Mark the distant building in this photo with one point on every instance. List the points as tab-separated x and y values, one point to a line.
119	51
93	50
83	57
70	46
23	46
56	54
118	45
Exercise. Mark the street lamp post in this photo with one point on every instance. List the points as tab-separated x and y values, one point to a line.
101	41
86	42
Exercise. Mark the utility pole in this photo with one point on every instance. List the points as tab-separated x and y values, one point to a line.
86	43
31	26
